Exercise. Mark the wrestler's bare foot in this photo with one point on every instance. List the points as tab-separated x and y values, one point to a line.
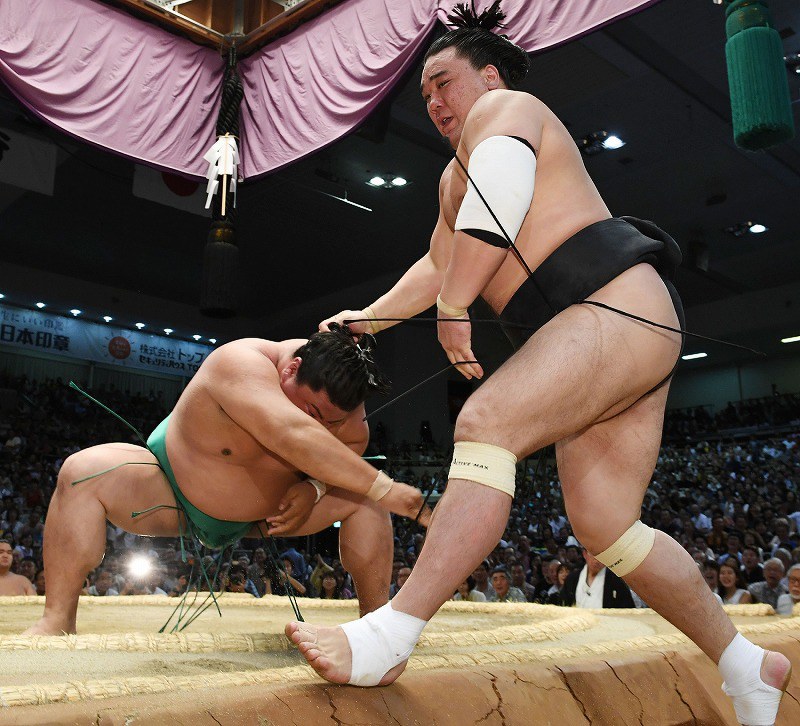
327	651
51	626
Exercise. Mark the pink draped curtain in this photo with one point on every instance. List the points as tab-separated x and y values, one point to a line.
121	83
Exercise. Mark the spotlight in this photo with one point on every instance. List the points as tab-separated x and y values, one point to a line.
757	228
793	62
376	181
139	566
168	330
793	339
139	326
75	312
693	356
196	337
399	181
1	296
40	305
213	341
107	318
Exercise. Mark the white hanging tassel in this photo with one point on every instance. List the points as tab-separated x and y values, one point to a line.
223	161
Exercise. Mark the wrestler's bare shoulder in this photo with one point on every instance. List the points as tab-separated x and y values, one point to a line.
241	353
505	112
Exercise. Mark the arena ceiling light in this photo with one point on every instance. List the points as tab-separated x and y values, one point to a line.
793	339
168	331
1	296
740	229
75	312
793	62
387	181
107	318
197	337
694	356
40	305
139	326
213	341
598	142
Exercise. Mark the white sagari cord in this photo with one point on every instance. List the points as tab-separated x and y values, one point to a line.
755	703
379	641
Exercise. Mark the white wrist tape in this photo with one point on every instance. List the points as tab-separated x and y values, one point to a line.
379	641
448	309
503	169
629	551
486	464
320	487
375	326
380	487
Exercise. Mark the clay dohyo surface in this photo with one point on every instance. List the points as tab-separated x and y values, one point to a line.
488	663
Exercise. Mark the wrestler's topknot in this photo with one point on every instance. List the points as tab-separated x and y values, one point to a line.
473	39
341	365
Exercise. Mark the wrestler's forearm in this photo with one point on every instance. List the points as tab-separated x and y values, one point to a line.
415	292
320	455
472	265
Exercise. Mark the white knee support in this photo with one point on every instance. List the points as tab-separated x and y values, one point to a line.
486	464
629	551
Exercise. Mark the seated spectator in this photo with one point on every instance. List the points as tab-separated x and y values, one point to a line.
752	569
787	601
466	592
237	581
732	587
561	579
103	584
285	583
782	537
330	588
402	575
27	568
518	581
733	547
710	571
481	577
595	586
38	582
503	592
257	571
771	589
322	569
11	584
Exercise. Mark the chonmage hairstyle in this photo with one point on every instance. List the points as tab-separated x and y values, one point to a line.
473	39
342	366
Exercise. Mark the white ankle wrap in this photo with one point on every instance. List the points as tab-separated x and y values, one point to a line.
755	703
379	641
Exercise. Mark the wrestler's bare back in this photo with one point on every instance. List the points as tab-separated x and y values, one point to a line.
221	468
565	199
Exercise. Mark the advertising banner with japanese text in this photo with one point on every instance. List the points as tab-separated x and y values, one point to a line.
75	338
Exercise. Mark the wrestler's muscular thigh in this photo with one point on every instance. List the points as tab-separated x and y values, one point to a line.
585	366
606	468
133	487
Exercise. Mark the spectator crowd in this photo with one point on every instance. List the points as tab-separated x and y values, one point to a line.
732	503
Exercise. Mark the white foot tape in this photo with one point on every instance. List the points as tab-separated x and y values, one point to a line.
755	703
380	641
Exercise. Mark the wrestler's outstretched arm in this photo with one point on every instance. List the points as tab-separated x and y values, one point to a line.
414	292
247	387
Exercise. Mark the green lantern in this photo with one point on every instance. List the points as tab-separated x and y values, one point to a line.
760	104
